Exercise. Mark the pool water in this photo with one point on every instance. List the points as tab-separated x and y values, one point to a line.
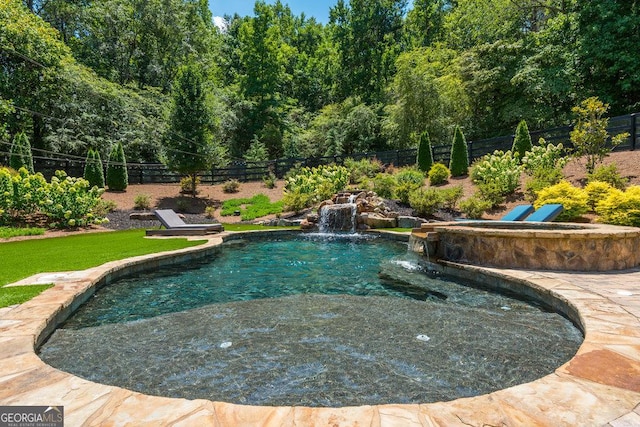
312	321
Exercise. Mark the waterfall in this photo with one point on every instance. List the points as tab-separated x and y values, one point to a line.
339	217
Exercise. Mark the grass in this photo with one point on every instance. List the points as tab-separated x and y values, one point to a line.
19	294
25	258
7	232
255	207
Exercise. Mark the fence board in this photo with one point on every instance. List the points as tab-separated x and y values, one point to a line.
142	173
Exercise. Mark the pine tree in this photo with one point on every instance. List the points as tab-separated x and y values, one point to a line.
459	161
21	153
190	148
522	140
117	178
425	153
93	171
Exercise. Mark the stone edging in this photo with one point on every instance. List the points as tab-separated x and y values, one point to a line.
600	385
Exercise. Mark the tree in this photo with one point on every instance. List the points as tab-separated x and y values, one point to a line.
459	161
117	177
425	21
589	135
522	140
21	153
607	51
368	35
425	153
93	171
257	152
189	145
426	94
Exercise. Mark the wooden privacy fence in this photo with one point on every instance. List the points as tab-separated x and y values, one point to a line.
147	173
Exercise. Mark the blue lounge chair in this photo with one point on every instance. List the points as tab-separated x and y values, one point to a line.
545	213
518	213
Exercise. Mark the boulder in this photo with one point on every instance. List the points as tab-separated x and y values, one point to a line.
378	221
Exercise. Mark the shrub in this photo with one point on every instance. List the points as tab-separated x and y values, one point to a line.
269	180
621	207
425	153
540	179
21	153
522	140
6	195
359	170
384	185
451	196
309	186
459	161
103	207
65	201
296	201
142	202
610	175
491	192
209	212
426	201
70	202
596	191
30	192
438	174
117	178
500	169
544	156
474	207
589	135
573	200
407	180
188	186
231	186
93	171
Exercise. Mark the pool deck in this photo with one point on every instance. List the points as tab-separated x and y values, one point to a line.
599	386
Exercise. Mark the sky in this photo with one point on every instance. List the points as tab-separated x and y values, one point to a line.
319	9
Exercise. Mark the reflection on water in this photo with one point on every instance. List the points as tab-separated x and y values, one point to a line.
251	327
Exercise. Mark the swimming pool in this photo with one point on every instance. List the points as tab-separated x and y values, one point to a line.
309	321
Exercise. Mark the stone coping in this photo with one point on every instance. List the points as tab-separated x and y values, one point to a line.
599	386
539	230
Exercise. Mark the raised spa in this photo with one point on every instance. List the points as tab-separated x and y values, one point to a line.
309	321
546	246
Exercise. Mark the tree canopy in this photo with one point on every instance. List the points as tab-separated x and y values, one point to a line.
81	74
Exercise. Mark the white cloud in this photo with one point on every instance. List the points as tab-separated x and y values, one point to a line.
220	22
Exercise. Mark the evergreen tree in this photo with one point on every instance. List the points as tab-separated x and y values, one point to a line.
190	148
425	152
117	178
93	171
459	161
21	153
522	140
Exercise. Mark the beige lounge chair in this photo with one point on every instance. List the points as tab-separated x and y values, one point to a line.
175	226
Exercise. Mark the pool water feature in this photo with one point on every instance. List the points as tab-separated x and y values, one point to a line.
311	322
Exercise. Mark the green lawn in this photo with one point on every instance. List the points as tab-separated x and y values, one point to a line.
251	208
19	294
6	232
24	258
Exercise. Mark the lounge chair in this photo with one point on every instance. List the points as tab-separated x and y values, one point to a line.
518	213
175	226
545	213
